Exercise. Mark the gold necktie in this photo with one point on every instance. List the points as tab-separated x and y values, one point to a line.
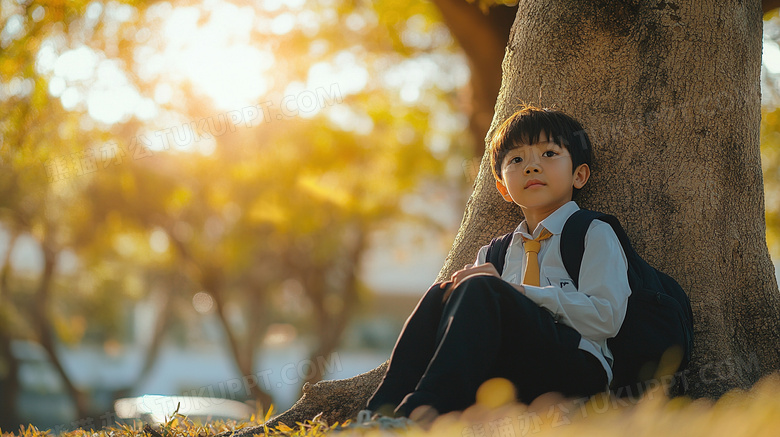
532	246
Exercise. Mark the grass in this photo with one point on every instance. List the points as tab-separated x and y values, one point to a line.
754	413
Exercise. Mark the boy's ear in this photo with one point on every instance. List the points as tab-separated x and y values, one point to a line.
504	192
581	176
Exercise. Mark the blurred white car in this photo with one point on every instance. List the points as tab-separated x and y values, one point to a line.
158	409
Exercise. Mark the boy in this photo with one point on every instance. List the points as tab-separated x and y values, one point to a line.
529	325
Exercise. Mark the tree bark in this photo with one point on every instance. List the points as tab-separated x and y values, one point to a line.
669	94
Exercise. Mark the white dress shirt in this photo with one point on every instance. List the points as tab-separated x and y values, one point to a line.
597	308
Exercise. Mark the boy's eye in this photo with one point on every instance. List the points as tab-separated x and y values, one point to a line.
549	153
516	160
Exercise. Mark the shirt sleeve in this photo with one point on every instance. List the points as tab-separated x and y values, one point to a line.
597	309
482	255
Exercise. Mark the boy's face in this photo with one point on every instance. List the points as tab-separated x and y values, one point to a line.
539	177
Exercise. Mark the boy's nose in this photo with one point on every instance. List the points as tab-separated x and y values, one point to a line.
532	165
532	168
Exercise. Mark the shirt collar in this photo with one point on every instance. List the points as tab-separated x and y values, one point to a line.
553	223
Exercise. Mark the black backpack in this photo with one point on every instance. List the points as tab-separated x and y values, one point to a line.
658	318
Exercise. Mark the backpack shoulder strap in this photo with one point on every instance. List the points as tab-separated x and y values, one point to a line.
572	244
496	253
573	239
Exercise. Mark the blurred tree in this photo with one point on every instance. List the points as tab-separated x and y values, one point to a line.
298	207
44	166
312	180
27	204
770	130
770	154
246	201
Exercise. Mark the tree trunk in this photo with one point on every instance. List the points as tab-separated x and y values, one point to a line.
9	418
333	324
211	278
669	93
41	320
10	381
482	36
155	344
243	358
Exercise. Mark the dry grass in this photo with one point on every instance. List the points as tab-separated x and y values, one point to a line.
754	413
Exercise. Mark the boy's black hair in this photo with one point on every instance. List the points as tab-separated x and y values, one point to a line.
525	126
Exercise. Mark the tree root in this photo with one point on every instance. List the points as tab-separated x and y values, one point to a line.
337	400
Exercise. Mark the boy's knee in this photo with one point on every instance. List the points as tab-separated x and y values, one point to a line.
479	287
482	281
485	287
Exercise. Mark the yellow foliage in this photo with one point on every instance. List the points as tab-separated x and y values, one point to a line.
69	329
484	5
327	189
266	210
770	163
179	199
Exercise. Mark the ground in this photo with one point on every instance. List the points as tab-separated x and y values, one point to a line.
753	413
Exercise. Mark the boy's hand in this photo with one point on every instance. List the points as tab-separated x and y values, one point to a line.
468	271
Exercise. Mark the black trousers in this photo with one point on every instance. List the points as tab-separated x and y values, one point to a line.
485	329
